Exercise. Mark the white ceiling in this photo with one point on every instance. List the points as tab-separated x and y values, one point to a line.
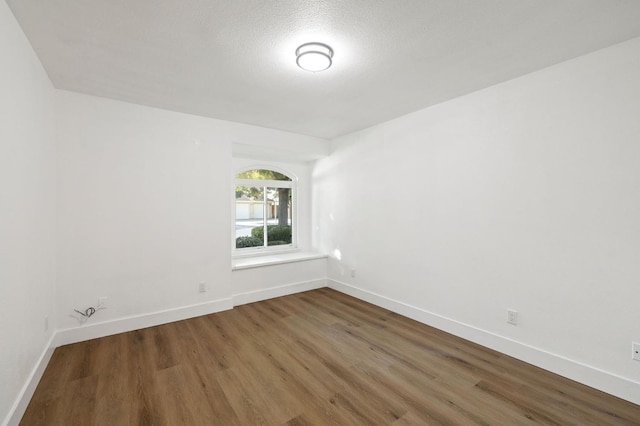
235	59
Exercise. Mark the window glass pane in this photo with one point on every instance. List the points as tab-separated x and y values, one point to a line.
249	215
263	216
262	174
279	228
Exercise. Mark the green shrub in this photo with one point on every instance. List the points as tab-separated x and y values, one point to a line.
258	232
276	234
279	233
242	242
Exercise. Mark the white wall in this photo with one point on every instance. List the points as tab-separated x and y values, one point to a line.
145	212
525	195
265	282
27	211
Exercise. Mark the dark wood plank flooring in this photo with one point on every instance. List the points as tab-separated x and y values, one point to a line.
313	358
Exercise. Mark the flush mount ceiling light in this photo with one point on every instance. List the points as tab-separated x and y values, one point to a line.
314	57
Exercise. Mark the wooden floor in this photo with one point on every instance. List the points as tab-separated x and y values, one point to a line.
318	358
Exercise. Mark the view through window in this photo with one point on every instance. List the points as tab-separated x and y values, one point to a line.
263	213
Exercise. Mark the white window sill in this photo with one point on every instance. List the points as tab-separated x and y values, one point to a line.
273	259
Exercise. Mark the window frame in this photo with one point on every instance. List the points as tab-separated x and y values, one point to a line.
265	183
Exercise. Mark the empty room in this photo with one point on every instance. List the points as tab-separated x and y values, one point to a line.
417	212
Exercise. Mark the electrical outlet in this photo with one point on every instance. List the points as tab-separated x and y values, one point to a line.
512	317
635	351
202	287
102	301
353	273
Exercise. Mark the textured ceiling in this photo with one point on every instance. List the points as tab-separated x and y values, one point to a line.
234	60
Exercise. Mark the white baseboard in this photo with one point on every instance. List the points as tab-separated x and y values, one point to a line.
22	401
121	325
270	293
586	374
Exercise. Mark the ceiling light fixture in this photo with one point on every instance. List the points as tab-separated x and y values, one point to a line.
314	57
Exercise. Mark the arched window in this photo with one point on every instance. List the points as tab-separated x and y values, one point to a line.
265	202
